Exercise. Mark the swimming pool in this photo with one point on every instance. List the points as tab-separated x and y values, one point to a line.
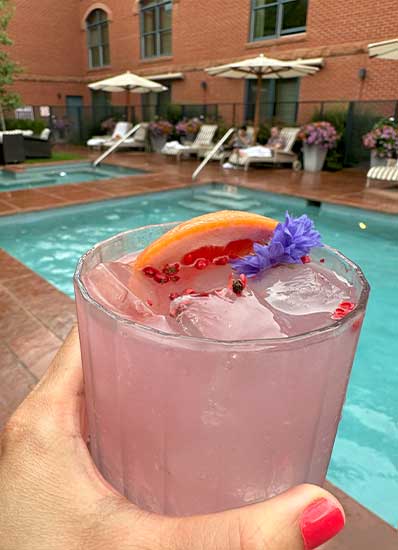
59	174
365	456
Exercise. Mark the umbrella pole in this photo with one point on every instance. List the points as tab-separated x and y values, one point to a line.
128	99
257	106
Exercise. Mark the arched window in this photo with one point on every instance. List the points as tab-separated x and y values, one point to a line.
98	39
156	22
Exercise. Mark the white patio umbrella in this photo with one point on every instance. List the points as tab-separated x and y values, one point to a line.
129	83
385	50
261	67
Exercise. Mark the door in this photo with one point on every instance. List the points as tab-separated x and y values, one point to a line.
156	104
101	106
73	121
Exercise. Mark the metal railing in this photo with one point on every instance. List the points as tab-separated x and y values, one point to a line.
103	156
211	153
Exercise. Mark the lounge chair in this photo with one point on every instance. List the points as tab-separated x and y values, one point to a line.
202	144
138	140
279	156
120	130
382	176
38	146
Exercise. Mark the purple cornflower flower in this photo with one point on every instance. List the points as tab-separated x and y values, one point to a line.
292	240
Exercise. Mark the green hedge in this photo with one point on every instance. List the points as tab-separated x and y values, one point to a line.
15	124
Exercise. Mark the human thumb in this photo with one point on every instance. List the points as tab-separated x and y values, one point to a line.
302	518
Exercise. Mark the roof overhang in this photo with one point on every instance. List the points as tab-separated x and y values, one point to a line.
165	76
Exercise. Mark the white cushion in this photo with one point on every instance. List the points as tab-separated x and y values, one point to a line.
45	134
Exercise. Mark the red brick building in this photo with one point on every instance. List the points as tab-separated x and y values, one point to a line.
65	44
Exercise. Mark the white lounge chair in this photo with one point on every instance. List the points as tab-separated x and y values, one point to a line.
382	176
202	144
279	156
120	130
138	140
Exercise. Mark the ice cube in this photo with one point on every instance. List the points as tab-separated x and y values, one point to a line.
302	289
223	315
109	284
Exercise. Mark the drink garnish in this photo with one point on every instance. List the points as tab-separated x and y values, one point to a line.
291	243
343	309
212	239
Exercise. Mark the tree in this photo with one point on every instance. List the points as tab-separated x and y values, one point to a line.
8	67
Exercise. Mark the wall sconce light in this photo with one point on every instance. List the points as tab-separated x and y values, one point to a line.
203	85
362	73
59	95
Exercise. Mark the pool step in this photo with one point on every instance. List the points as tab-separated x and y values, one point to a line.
233	193
214	199
198	206
240	202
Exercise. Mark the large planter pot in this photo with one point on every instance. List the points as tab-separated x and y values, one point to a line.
314	157
157	142
377	161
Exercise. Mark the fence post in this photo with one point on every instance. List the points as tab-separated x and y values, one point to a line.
80	123
348	132
321	109
396	111
234	114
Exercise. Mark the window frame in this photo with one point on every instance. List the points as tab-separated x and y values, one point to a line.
99	24
279	33
155	6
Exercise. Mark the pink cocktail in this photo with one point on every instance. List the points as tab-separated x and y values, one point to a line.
226	400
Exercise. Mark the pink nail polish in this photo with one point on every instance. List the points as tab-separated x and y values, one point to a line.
321	521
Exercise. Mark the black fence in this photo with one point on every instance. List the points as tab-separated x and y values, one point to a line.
351	118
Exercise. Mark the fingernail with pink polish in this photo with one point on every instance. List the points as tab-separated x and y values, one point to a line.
321	521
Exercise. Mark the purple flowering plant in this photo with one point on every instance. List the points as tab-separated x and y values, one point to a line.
160	128
188	127
383	139
292	240
319	133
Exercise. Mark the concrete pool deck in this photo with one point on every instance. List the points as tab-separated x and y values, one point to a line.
35	317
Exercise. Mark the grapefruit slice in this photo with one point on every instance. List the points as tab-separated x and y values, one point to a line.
195	255
224	234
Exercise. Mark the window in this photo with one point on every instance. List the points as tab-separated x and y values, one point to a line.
279	100
156	16
98	39
272	18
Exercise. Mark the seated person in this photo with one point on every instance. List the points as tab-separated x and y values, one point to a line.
241	139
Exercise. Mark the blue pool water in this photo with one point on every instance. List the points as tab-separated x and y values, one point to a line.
59	174
365	456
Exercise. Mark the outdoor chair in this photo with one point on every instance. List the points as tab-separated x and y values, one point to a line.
202	144
382	176
11	147
279	156
120	130
137	141
38	146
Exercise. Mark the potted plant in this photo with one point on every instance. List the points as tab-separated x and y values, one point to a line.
159	131
317	138
187	129
382	141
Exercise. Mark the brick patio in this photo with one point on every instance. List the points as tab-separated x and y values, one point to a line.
35	317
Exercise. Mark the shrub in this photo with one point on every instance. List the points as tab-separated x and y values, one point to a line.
37	126
174	113
263	134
